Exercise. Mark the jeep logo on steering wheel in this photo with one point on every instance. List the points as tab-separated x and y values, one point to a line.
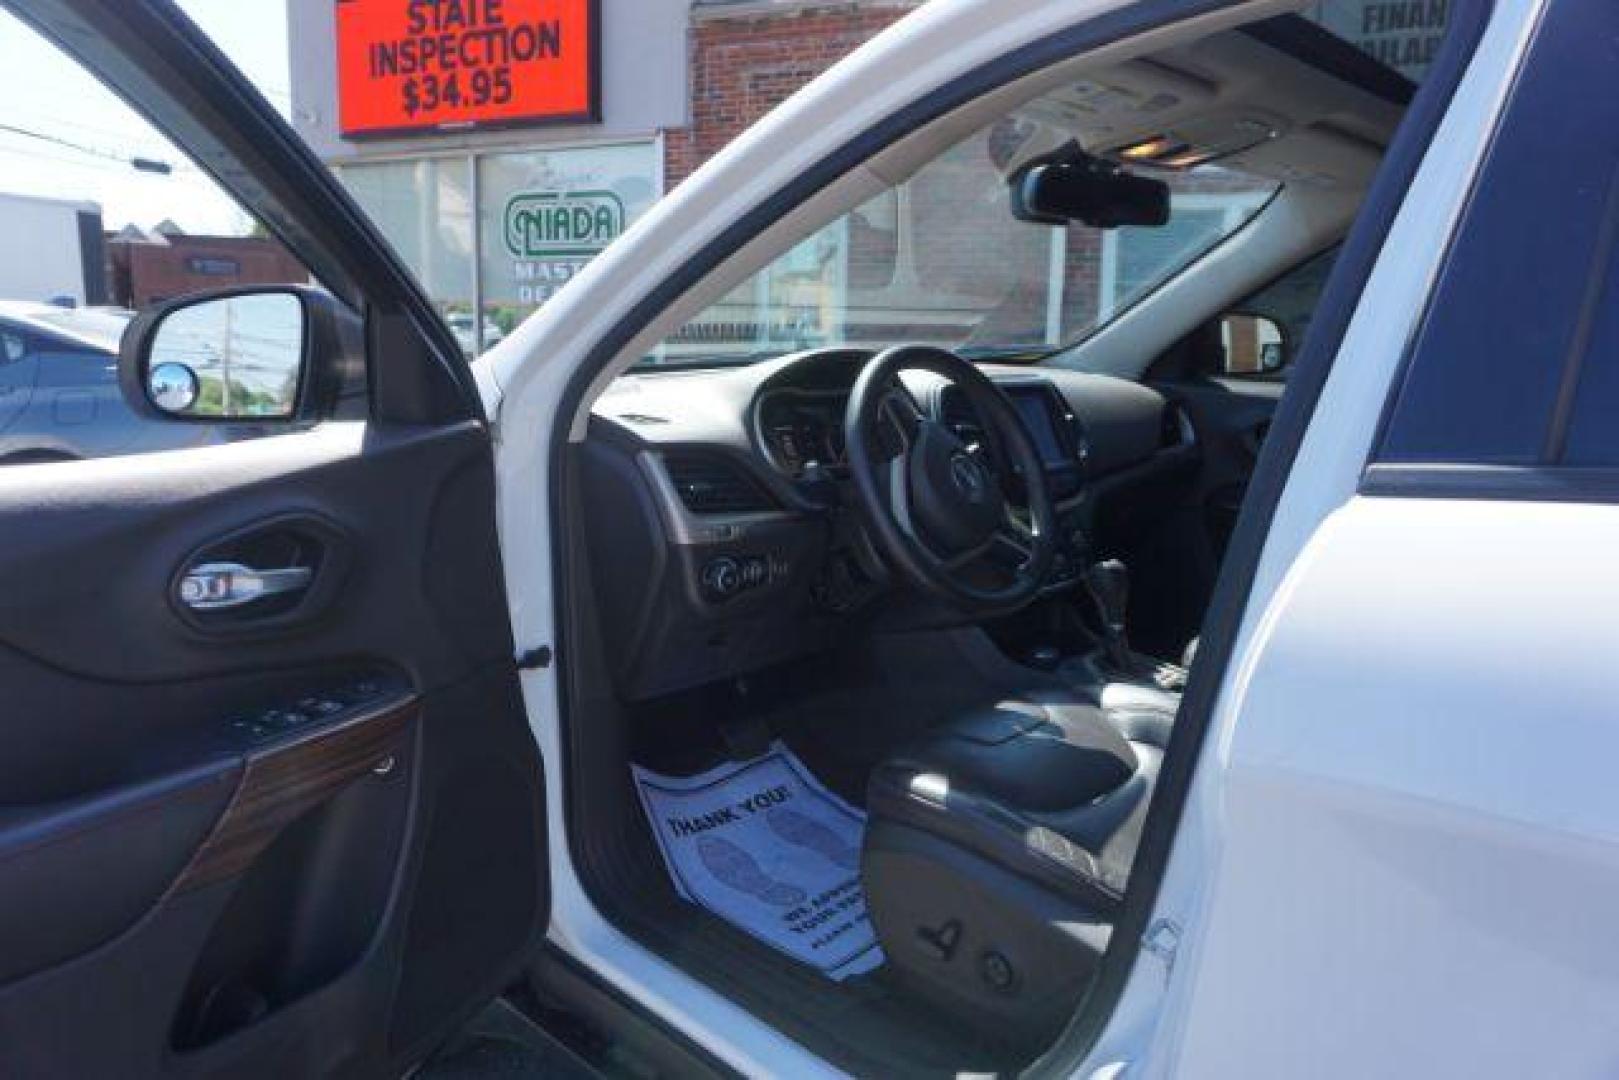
968	476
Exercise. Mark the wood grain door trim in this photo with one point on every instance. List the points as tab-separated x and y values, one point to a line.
281	782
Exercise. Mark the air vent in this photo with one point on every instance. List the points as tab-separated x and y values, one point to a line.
709	484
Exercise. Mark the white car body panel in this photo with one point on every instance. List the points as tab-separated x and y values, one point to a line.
1419	840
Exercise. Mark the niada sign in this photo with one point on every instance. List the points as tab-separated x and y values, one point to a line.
556	224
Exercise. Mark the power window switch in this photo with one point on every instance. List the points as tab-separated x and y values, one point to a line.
249	728
283	718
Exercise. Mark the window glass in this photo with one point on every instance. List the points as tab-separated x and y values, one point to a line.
424	208
1404	34
544	214
503	231
1592	438
102	217
13	347
1263	333
1505	317
941	259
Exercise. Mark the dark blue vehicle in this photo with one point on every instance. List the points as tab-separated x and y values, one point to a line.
59	395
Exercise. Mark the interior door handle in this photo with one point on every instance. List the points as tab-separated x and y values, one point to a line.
216	585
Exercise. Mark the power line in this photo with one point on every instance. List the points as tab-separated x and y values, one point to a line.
110	165
143	164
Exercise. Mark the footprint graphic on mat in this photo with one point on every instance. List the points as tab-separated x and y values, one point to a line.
736	869
806	832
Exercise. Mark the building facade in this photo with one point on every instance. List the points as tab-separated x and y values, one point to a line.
501	144
146	268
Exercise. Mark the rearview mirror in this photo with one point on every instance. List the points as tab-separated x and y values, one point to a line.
1253	344
1078	187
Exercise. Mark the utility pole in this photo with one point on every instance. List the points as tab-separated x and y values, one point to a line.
226	357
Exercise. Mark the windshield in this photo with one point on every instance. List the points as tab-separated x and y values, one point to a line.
940	259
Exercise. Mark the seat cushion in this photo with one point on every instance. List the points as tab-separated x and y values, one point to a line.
1049	789
1031	757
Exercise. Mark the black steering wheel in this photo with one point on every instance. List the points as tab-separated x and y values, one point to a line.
937	507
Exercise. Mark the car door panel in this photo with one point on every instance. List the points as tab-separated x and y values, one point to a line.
187	502
250	830
197	862
133	837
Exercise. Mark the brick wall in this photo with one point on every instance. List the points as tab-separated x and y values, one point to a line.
139	274
747	58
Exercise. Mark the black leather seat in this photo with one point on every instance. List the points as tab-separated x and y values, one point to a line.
998	849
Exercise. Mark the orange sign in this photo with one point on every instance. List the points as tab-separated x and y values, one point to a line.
413	65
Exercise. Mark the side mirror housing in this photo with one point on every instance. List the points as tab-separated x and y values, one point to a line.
261	354
1078	187
1253	344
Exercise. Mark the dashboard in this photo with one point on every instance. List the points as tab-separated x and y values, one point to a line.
716	515
799	428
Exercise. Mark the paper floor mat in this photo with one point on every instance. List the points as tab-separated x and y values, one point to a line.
764	846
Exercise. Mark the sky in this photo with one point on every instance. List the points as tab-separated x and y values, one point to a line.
43	93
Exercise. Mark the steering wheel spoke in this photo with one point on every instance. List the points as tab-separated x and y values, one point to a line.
902	415
1015	535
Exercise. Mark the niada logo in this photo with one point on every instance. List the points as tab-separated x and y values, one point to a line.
553	224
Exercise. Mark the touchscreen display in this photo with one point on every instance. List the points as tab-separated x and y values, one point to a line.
1035	409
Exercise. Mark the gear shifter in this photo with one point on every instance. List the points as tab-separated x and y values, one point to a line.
1108	583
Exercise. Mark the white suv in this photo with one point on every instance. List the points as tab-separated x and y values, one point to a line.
1078	546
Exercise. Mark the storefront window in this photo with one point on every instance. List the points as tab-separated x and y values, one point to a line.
540	215
424	208
1404	34
544	214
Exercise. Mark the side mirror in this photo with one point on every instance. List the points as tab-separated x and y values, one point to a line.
1252	344
244	355
1078	187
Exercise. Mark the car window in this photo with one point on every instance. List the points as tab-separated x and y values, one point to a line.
1514	363
1261	335
941	259
13	346
101	217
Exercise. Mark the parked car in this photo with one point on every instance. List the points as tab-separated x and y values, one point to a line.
59	395
461	325
1176	647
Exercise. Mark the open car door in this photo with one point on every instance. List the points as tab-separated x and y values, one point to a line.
269	803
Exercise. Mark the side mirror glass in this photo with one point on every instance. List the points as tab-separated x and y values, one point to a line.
233	357
172	387
1253	344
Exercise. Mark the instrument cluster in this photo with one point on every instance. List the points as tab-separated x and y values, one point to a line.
800	427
